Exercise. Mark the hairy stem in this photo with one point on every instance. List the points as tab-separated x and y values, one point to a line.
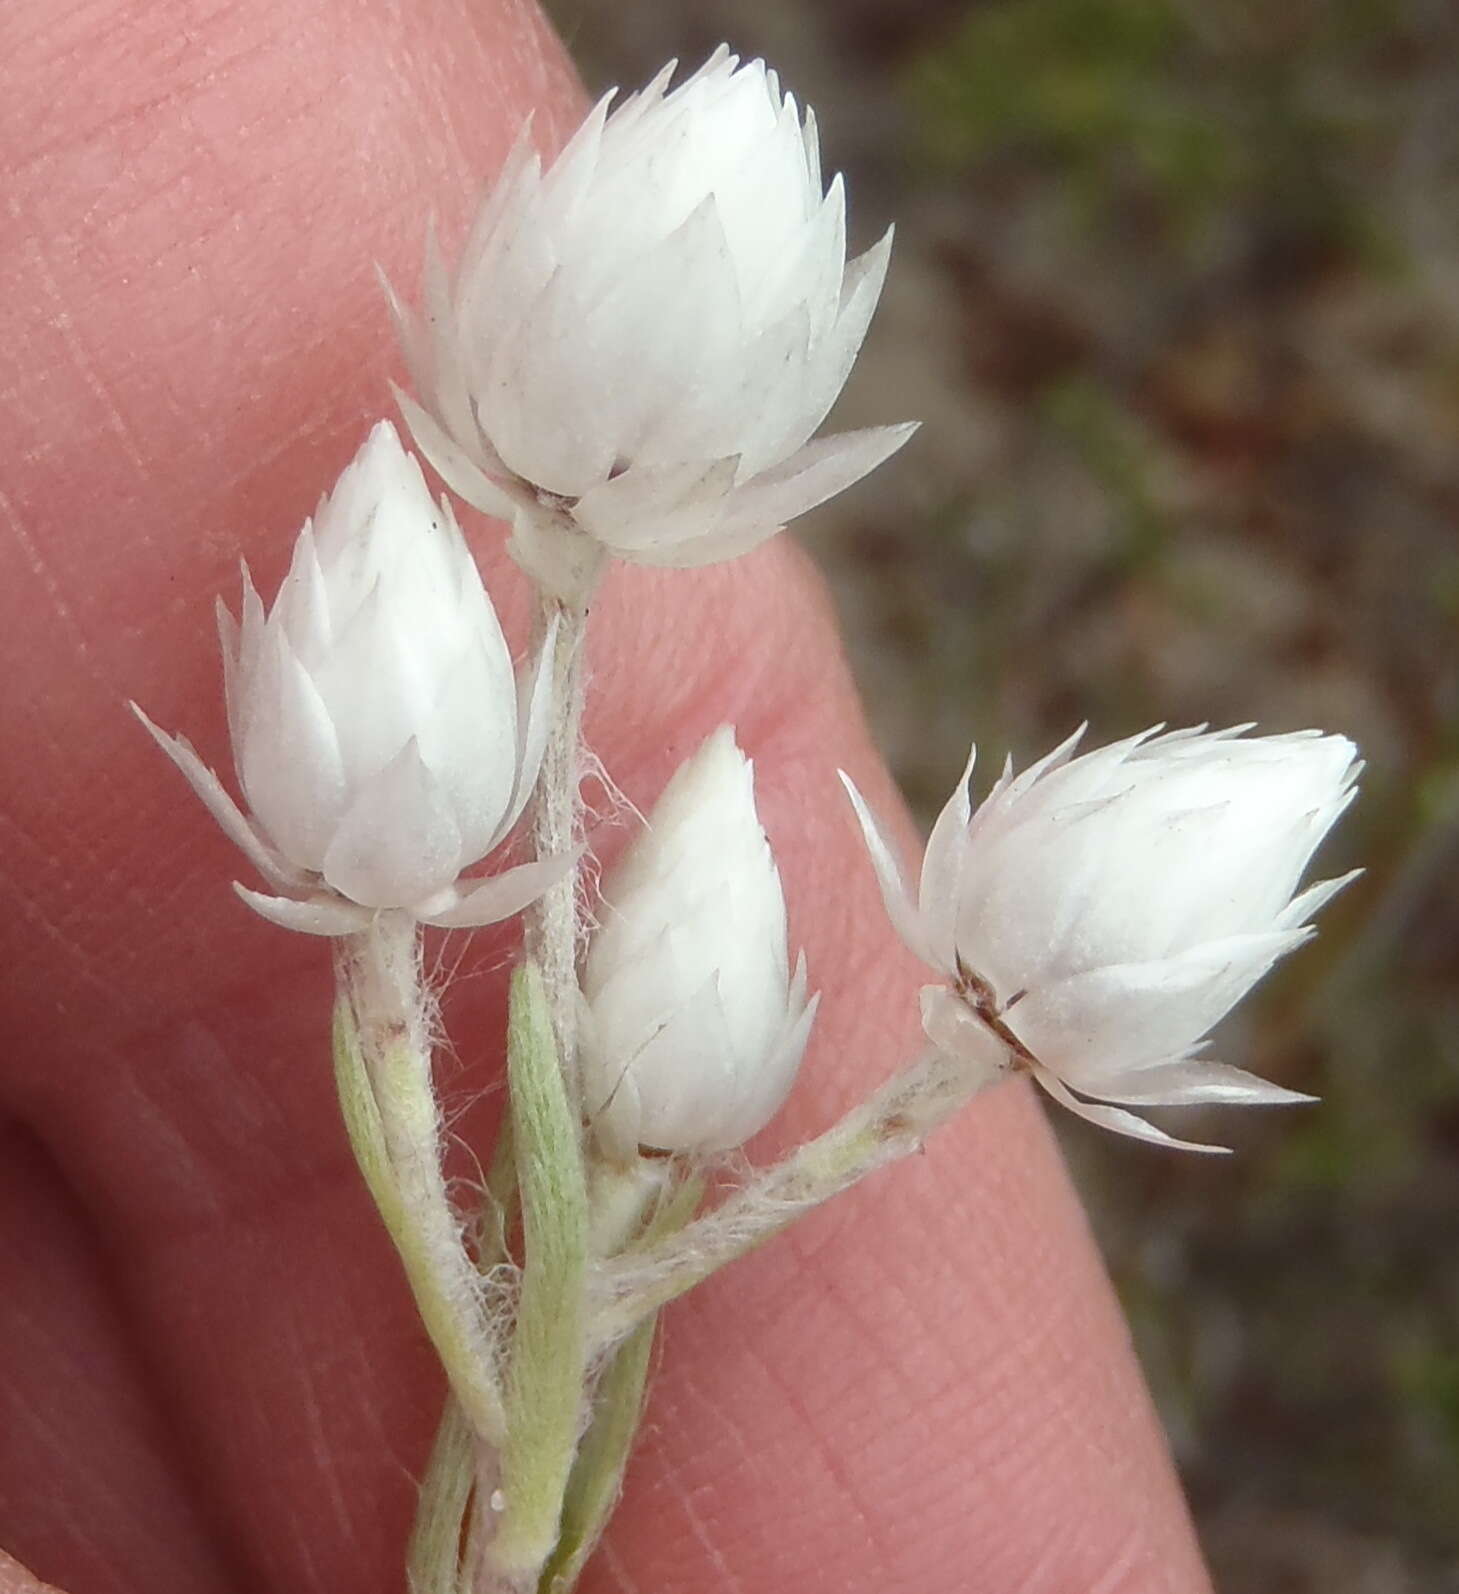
890	1125
597	1474
548	1375
433	1556
630	1206
454	1517
552	924
383	1068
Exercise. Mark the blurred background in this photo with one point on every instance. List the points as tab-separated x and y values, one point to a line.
1176	295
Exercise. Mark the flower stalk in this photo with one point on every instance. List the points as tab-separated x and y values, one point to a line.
891	1124
383	1071
454	1516
556	814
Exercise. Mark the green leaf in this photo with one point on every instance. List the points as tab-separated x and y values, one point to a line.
548	1367
433	1560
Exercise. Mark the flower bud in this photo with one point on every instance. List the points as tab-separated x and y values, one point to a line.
380	737
639	343
1100	914
693	1027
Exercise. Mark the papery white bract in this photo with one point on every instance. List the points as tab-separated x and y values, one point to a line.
381	739
694	1026
639	343
1102	913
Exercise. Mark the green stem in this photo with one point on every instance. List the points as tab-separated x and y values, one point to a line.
383	1070
433	1559
631	1206
449	1523
553	922
597	1475
890	1125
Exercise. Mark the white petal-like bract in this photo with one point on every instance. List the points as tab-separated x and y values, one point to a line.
694	1024
639	341
382	740
1103	912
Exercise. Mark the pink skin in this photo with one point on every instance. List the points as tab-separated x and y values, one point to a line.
210	1375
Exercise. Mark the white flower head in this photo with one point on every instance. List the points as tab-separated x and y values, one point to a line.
694	1026
640	341
381	739
1100	914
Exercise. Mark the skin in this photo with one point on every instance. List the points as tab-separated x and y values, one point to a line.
210	1374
